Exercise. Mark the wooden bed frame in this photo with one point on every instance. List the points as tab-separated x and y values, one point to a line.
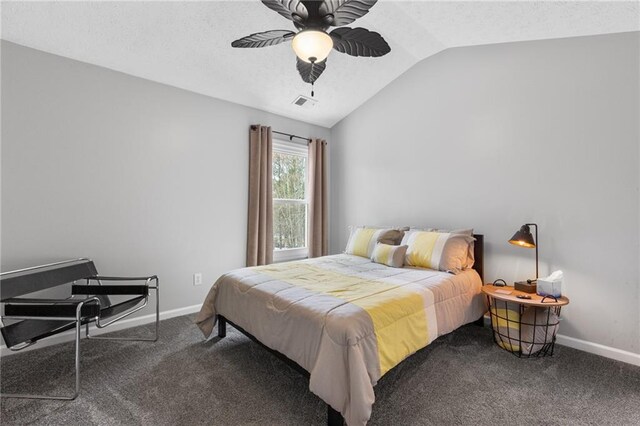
334	418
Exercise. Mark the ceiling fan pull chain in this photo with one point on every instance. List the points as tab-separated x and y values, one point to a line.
313	65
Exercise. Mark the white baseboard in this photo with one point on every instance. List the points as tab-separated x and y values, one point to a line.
598	349
572	342
68	336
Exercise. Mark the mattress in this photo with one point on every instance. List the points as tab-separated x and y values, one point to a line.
343	318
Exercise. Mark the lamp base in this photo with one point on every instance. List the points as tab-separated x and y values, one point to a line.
524	286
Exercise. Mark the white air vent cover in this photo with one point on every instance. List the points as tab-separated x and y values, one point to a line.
304	102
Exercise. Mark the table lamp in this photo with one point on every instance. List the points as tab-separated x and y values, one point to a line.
523	238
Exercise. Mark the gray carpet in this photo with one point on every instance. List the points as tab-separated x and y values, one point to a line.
460	379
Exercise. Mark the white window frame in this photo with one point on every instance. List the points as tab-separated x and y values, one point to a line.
286	147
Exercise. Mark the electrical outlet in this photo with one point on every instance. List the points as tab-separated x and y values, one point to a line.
197	279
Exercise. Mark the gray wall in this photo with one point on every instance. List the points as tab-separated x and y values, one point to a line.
143	178
146	178
496	136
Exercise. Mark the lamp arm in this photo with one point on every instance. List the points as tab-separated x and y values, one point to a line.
537	244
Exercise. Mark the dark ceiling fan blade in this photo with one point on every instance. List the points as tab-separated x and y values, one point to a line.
310	72
359	42
267	38
293	10
345	11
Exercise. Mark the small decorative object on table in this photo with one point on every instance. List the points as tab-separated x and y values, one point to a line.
526	327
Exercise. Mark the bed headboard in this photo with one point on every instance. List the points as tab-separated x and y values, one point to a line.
478	255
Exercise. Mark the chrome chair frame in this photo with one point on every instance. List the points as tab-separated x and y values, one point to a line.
78	319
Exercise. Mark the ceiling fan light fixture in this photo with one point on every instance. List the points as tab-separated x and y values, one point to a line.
312	45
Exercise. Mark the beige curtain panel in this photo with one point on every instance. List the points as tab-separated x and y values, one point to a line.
318	232
260	222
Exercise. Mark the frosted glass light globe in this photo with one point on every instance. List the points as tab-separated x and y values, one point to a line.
312	44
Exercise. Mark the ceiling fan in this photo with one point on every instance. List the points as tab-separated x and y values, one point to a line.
311	42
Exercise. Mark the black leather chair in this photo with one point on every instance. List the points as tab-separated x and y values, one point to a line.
39	318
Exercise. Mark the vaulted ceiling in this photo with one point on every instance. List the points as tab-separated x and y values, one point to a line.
188	44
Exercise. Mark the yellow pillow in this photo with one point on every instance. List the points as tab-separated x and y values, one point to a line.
363	240
441	251
389	255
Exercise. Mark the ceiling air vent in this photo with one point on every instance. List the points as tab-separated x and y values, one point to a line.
304	102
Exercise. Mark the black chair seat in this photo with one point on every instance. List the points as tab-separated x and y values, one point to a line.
121	307
26	331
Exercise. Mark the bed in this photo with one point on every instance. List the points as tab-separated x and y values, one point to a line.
343	319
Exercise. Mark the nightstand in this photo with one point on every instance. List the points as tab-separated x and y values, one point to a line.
524	327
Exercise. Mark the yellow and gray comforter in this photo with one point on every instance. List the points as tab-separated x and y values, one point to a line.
343	318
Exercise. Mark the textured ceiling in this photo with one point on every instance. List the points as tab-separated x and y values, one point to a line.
187	44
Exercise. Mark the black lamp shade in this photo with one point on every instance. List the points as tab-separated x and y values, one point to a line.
523	238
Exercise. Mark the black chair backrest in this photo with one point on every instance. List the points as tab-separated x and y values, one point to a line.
25	281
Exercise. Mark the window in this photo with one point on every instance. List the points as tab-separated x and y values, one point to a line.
290	205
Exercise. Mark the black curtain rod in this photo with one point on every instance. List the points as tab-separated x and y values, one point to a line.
291	136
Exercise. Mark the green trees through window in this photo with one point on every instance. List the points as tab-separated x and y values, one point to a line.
289	200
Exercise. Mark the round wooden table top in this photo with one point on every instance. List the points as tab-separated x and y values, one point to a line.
509	294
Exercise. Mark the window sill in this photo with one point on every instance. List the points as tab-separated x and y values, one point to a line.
288	255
